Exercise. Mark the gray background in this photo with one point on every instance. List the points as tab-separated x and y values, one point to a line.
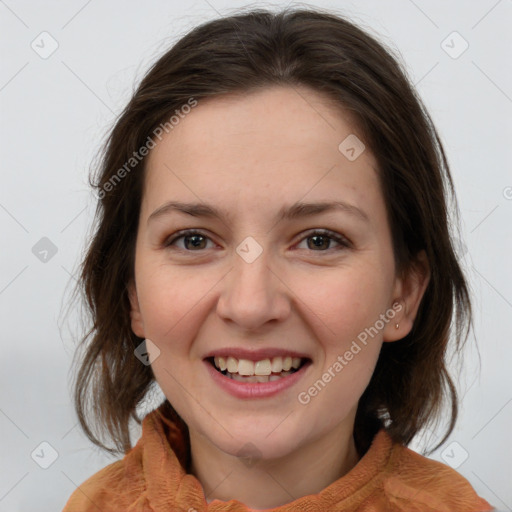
55	112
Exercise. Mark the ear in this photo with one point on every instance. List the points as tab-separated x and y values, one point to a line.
135	314
408	292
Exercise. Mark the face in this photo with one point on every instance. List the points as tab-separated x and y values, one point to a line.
257	285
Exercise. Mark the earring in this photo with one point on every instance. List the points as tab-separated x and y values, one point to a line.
396	326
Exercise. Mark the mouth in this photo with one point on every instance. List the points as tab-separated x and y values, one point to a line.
261	371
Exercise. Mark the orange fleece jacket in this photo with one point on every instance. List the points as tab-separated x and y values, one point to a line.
388	478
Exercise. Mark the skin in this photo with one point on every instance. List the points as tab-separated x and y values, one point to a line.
251	155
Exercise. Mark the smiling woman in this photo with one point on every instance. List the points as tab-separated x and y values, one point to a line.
281	264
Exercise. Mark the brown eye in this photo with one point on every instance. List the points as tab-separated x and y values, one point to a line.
321	241
192	240
317	241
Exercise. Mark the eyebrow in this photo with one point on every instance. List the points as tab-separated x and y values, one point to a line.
295	211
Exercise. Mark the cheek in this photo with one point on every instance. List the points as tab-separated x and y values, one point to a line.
344	304
170	300
348	305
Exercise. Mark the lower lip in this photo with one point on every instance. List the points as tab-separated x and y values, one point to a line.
255	389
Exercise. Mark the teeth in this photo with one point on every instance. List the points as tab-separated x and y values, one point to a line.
261	369
232	365
220	363
257	378
245	367
277	364
237	376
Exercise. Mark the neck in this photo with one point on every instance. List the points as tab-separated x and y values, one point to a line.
269	483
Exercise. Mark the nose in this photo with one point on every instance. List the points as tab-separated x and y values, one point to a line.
254	294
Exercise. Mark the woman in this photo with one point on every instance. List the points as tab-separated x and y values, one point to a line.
273	250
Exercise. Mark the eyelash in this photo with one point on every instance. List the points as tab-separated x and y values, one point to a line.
344	242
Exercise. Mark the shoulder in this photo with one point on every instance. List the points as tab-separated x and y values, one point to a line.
413	480
150	471
116	485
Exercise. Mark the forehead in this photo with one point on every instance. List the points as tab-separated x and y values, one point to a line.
277	144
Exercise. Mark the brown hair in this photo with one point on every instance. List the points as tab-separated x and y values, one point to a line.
239	54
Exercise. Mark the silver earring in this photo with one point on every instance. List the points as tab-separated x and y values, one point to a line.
396	326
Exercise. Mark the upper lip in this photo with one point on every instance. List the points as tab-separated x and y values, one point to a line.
254	355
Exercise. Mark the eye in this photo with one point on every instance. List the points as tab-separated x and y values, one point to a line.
322	238
193	240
